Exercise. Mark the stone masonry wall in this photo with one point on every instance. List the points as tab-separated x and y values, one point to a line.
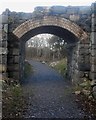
80	61
79	57
3	45
84	58
93	43
13	56
3	54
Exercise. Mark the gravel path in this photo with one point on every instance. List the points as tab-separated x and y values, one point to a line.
50	96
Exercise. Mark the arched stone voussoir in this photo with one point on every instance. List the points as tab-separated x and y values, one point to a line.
50	21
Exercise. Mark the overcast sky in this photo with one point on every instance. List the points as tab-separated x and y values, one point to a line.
28	5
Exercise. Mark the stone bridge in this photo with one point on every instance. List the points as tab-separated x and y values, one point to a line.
81	57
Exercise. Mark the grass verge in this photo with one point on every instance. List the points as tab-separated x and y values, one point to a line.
13	101
61	66
27	69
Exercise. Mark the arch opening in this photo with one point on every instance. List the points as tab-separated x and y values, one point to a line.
47	49
68	37
60	27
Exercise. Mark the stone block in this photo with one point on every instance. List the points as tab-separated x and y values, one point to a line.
81	51
93	68
86	46
94	91
6	28
75	77
93	7
93	60
3	50
81	59
13	75
10	60
4	37
93	27
93	52
16	44
10	51
87	59
3	68
16	75
84	67
3	59
93	38
82	46
15	51
93	19
13	67
81	74
3	19
86	41
0	43
93	75
16	59
93	46
84	51
3	44
87	63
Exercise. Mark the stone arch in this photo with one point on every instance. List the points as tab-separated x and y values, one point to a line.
50	21
48	24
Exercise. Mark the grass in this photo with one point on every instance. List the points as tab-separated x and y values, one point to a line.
13	97
13	101
27	69
61	66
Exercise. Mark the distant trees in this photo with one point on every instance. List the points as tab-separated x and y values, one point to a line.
57	45
37	47
52	48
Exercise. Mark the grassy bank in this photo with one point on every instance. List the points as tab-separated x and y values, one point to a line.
27	69
13	101
61	66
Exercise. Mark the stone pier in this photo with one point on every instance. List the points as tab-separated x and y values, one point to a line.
93	43
13	56
3	45
3	54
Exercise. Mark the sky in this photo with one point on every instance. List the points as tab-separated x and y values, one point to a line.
28	5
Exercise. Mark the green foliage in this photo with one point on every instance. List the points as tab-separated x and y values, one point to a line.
61	66
16	91
86	85
85	88
13	101
27	69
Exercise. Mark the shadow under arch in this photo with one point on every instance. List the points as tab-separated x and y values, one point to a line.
69	37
